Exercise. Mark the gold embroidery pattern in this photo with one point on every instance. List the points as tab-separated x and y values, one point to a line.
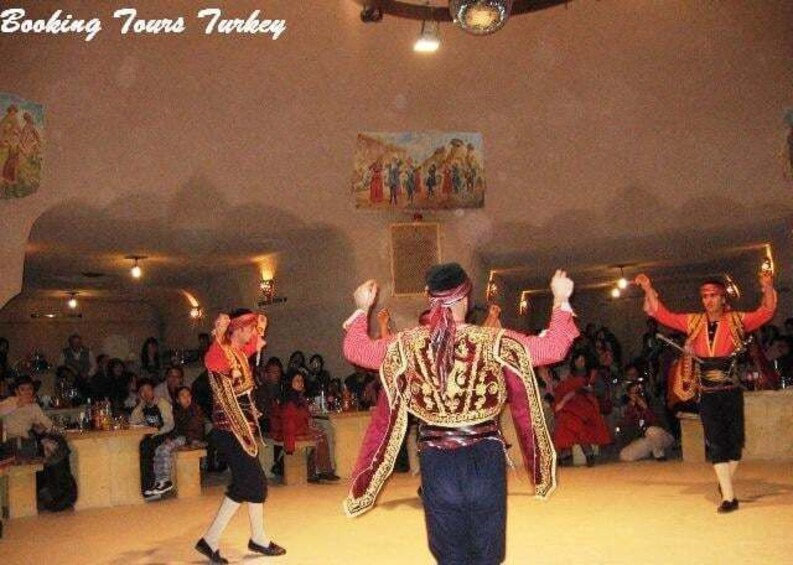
513	354
393	442
475	390
241	375
224	395
691	372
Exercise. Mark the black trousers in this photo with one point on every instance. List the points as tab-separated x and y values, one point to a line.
147	447
722	420
248	481
465	503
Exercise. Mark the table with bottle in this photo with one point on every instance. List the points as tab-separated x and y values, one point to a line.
105	458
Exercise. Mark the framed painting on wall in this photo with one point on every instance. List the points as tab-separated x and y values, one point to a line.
21	146
417	171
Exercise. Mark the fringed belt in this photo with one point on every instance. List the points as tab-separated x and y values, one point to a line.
717	374
453	438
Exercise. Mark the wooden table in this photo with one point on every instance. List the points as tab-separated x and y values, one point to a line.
349	429
106	466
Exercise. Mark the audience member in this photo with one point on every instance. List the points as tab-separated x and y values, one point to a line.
174	380
78	357
156	413
23	417
188	430
292	421
577	420
150	364
640	428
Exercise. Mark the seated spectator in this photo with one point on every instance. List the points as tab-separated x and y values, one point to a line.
317	379
157	413
100	383
78	357
292	421
641	430
23	417
174	380
268	392
150	360
577	420
116	387
188	430
760	374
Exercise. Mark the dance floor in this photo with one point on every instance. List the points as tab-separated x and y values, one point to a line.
644	513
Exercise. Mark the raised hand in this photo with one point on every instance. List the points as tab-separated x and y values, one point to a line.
365	295
561	286
643	281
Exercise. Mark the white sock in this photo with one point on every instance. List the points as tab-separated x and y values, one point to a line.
733	468
256	515
227	509
725	480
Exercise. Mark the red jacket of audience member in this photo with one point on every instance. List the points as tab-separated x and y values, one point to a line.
290	421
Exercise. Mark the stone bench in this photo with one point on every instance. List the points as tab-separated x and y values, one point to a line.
187	471
21	481
692	437
296	464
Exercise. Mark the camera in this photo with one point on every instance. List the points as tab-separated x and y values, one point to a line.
371	14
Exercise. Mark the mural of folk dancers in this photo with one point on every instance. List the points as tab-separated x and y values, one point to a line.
418	171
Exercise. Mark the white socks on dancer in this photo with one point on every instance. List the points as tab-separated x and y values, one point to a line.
733	468
256	515
725	480
227	509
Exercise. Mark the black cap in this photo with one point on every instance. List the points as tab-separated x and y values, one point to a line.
240	312
445	276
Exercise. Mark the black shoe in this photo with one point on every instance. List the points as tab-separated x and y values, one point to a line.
333	477
420	493
314	479
566	461
214	556
272	550
728	506
590	460
661	459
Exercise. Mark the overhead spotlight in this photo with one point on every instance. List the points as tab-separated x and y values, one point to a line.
429	38
371	14
72	302
196	312
136	270
615	292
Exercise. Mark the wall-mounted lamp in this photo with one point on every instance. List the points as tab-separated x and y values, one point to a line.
731	287
492	289
136	271
267	290
523	305
196	312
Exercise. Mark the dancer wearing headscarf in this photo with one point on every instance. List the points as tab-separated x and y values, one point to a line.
236	429
455	378
713	338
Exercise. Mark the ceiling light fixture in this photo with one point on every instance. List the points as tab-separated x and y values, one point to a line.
429	38
615	292
622	284
72	302
480	17
136	270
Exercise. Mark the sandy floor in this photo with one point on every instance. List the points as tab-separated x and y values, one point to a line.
615	513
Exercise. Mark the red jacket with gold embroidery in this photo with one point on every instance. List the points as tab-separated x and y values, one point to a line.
491	365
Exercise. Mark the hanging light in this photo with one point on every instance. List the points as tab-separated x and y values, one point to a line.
136	271
622	284
429	38
615	292
480	17
72	302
